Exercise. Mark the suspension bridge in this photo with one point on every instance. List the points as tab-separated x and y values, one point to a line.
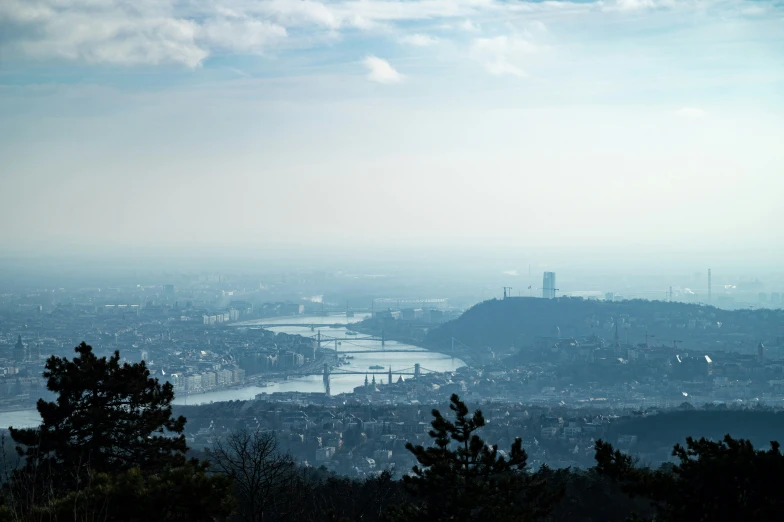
413	371
319	340
328	370
312	326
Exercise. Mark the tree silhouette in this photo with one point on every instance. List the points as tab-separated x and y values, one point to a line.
717	481
337	499
460	477
185	493
108	448
108	417
262	475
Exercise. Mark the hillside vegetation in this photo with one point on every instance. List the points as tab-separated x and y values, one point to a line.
760	426
501	324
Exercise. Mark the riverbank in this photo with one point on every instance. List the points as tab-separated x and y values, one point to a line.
304	320
398	356
469	357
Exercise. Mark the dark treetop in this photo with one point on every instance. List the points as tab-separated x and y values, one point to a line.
107	417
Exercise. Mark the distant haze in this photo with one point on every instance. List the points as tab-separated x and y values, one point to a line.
647	132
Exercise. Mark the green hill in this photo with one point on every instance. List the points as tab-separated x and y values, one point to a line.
501	324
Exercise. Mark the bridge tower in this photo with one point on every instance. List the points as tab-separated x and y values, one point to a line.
326	380
390	375
417	371
382	339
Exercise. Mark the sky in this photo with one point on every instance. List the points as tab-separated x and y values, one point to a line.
612	126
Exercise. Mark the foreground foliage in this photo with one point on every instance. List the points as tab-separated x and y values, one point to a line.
724	480
461	477
109	448
107	417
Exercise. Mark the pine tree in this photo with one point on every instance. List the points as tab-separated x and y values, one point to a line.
109	449
108	417
724	480
460	477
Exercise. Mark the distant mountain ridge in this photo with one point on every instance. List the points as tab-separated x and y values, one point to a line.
504	323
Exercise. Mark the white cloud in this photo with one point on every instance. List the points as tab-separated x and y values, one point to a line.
502	55
186	32
638	5
117	41
241	35
633	5
125	32
691	112
419	40
296	13
392	11
380	71
469	26
112	32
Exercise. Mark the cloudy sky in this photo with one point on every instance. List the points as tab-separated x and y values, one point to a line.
599	124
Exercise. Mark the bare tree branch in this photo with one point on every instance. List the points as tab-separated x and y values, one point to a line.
262	474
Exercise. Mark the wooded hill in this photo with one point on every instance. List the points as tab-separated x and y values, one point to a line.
500	324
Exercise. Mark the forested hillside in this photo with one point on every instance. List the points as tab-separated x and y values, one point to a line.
517	321
665	429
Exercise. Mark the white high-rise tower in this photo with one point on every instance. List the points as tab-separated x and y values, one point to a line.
548	285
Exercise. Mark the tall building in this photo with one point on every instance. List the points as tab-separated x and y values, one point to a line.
548	285
19	351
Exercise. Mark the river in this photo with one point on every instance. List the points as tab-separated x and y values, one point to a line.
312	383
